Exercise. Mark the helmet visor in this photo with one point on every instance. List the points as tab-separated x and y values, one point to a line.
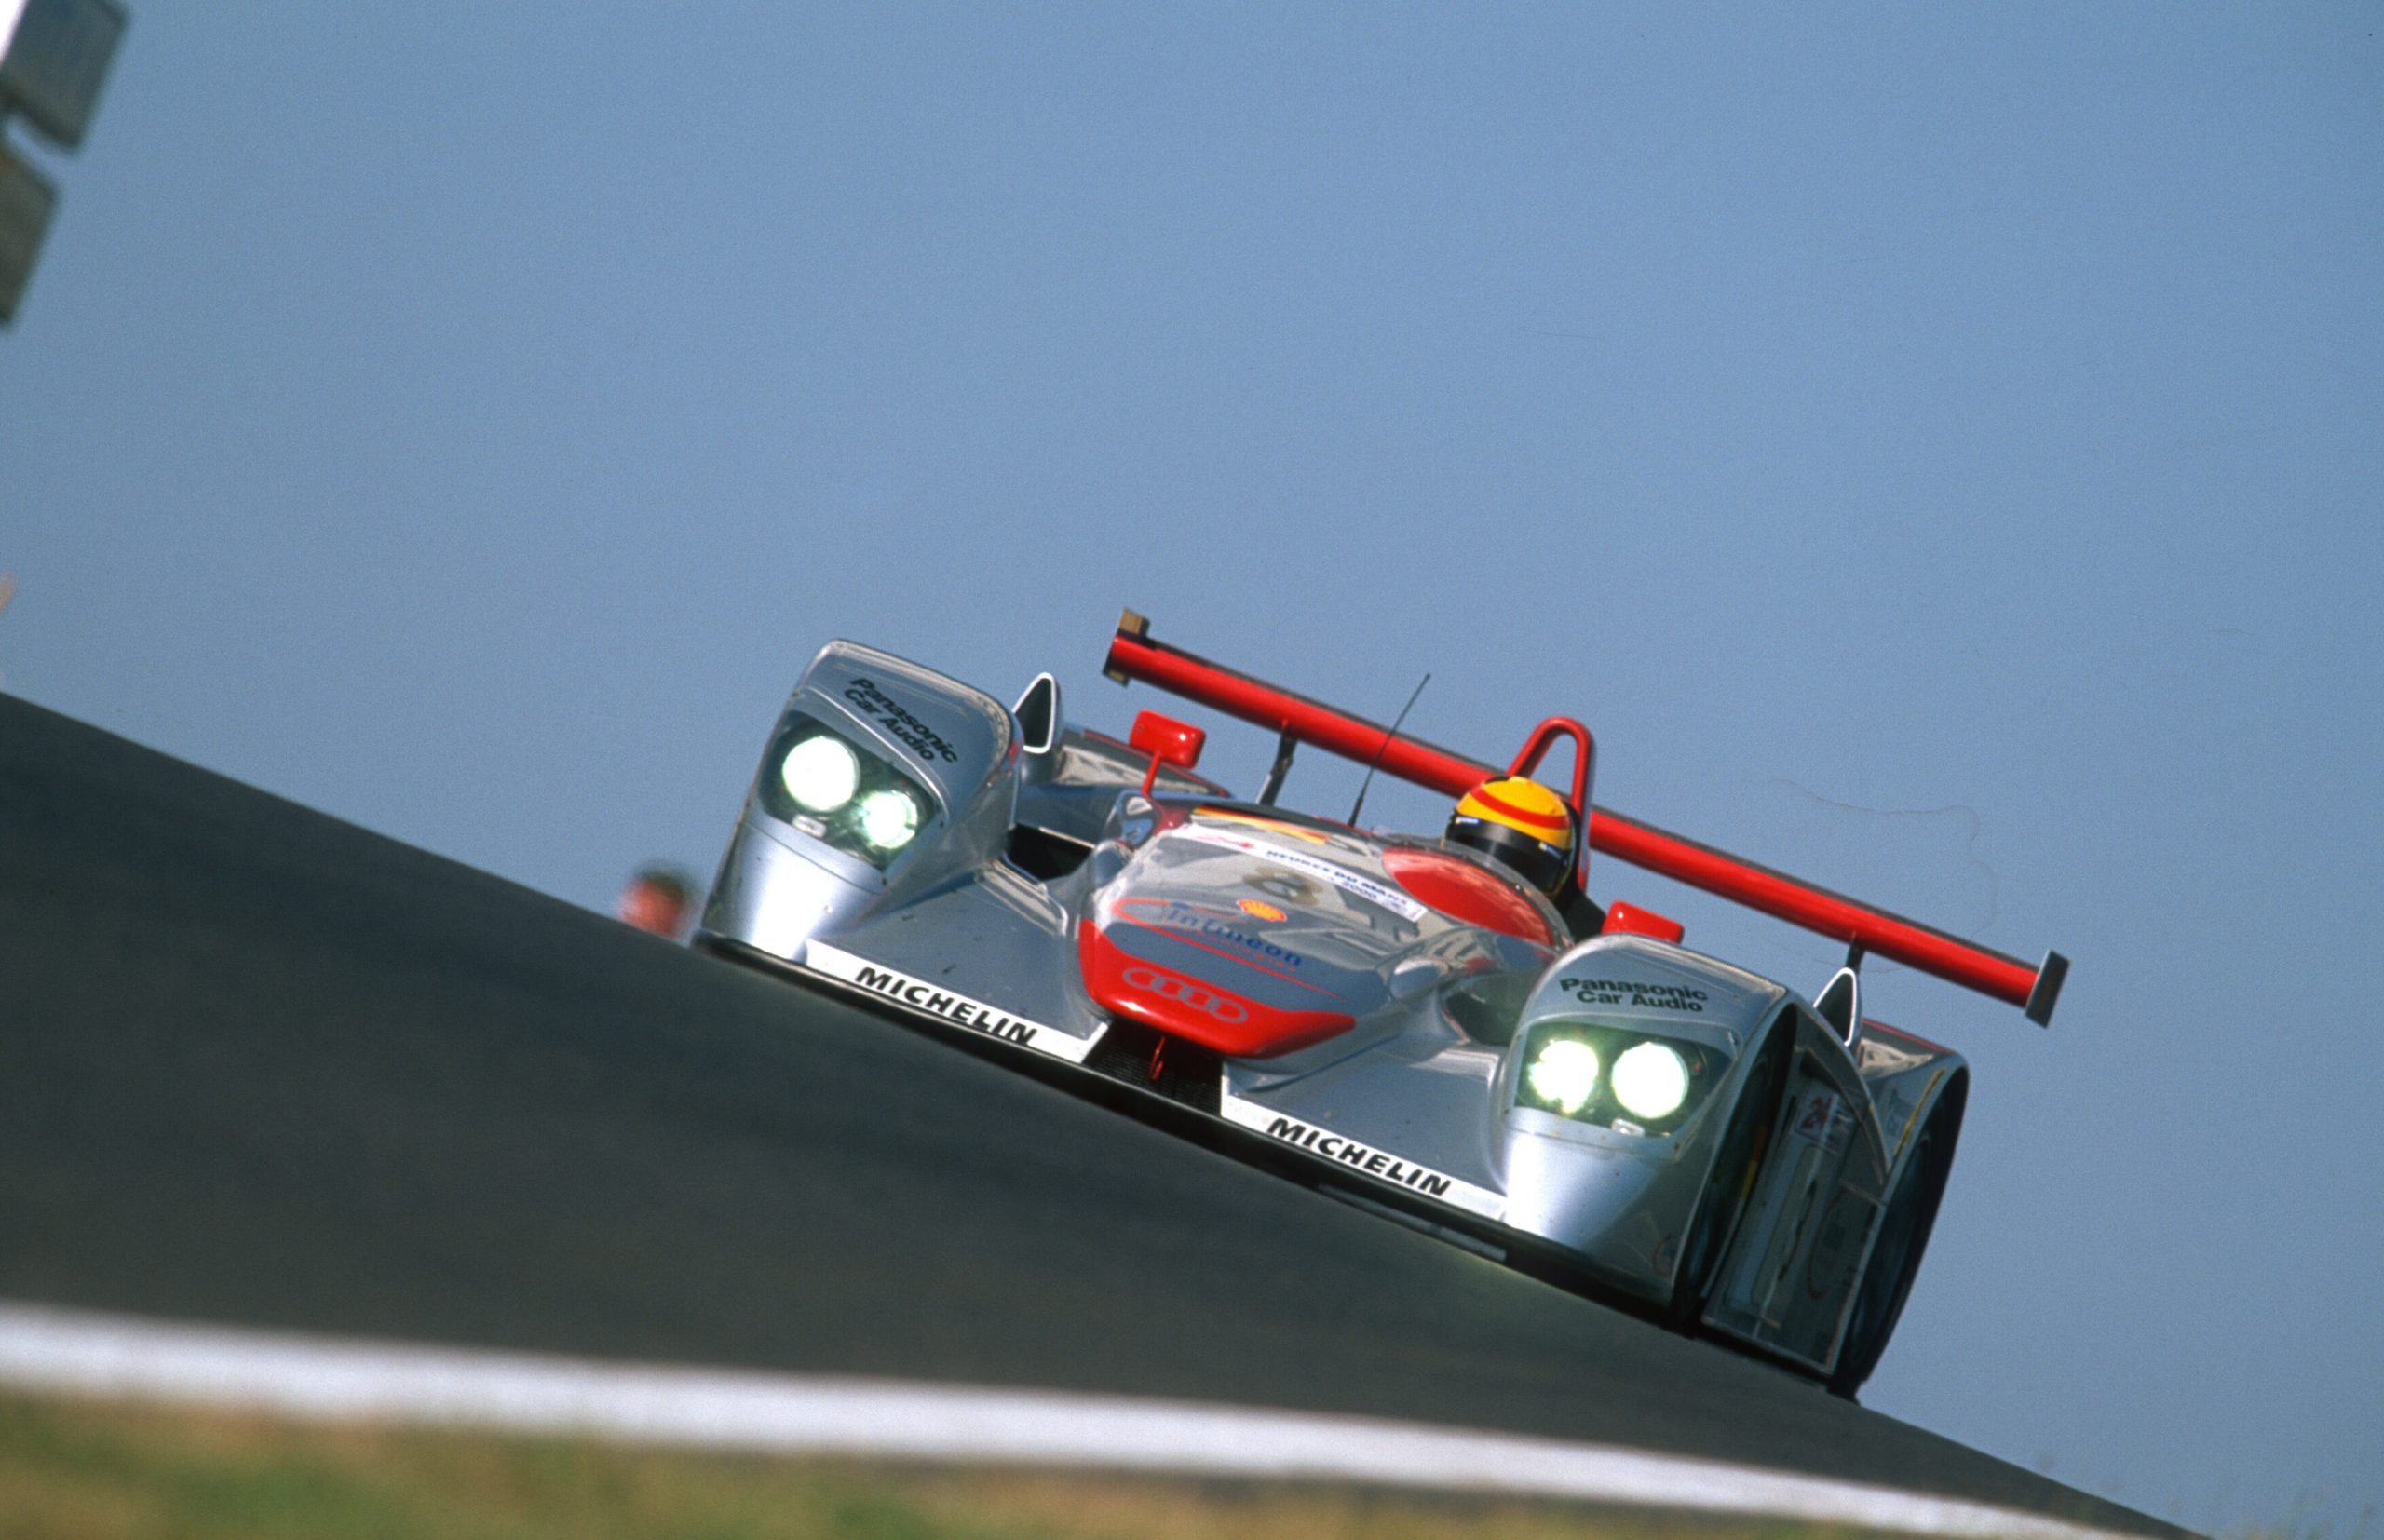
1542	865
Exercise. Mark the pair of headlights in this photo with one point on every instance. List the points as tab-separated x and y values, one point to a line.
833	790
822	775
1612	1076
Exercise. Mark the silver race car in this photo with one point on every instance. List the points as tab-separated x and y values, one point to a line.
1406	1023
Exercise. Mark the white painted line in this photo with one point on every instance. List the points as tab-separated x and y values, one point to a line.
51	1349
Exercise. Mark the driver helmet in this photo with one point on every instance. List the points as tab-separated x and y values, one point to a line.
1523	825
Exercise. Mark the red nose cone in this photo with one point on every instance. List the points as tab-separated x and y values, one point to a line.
1195	1009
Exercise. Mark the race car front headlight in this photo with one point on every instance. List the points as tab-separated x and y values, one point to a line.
831	785
1619	1077
888	820
1564	1074
820	773
1652	1080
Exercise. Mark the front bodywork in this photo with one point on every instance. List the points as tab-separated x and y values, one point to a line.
1362	1003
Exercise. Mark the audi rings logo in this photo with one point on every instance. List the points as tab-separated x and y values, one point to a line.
1167	986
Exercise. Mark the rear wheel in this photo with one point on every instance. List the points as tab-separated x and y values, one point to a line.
1729	1183
1904	1225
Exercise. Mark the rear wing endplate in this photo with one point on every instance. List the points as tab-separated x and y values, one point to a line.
1135	654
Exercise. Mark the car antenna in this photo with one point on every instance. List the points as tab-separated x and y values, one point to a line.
1353	818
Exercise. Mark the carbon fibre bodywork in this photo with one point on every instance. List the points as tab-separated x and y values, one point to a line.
1359	1008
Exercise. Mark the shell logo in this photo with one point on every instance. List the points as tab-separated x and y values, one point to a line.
1261	909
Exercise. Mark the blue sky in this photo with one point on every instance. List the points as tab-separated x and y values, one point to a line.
1937	451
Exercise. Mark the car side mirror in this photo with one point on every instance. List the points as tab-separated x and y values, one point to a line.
1840	1004
1039	717
1622	919
1166	741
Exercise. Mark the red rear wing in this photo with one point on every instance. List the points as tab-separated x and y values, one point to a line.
1133	653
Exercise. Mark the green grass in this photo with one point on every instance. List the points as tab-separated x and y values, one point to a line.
96	1470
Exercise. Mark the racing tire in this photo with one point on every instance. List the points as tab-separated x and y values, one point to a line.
1729	1183
1904	1225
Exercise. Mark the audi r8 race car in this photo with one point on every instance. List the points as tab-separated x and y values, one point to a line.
1409	1023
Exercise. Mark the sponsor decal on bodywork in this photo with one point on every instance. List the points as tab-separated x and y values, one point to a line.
880	707
1379	1164
1381	895
1631	992
1185	992
1176	914
935	1000
1817	1121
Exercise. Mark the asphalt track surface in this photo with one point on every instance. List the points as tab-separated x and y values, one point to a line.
260	1067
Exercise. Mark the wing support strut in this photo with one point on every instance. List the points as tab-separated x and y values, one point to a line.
1285	744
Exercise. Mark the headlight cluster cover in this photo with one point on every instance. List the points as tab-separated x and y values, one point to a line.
1616	1077
824	783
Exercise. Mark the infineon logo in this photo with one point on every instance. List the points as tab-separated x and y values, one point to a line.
935	1000
1379	1164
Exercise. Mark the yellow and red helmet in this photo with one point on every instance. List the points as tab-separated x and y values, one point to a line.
1523	825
